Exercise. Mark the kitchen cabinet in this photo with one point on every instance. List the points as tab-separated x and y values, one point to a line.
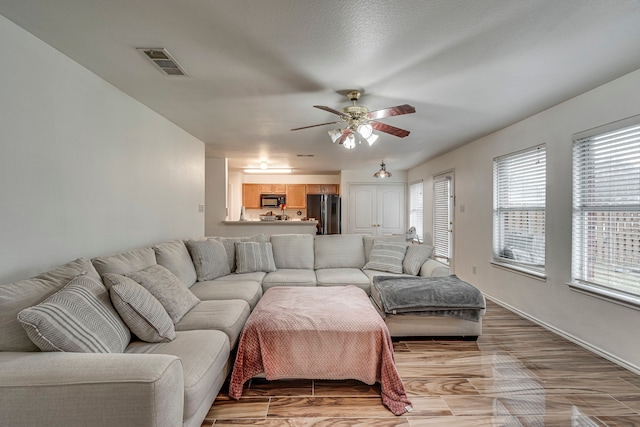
296	196
377	209
322	189
273	188
251	195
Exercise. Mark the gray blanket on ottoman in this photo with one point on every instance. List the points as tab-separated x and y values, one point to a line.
429	296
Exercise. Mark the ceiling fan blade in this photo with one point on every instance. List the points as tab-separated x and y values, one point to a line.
392	130
391	111
331	110
313	126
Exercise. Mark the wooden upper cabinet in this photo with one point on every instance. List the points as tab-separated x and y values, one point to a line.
273	188
322	189
296	196
251	195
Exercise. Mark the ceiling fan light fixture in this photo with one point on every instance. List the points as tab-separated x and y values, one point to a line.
350	142
382	173
373	138
335	135
366	130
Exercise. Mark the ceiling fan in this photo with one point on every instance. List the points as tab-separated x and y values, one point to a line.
361	122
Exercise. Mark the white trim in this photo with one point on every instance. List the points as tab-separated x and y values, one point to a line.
600	352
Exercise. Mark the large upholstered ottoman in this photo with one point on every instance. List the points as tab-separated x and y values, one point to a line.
429	306
318	333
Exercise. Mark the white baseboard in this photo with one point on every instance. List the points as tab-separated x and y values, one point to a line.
613	358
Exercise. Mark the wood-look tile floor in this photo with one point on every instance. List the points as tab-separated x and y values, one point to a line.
516	374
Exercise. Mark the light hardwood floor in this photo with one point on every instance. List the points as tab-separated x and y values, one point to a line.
516	374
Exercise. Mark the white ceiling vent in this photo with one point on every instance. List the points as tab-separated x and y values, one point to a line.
163	60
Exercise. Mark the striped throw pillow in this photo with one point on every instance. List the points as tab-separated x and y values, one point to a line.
414	258
254	256
78	318
140	310
386	256
209	257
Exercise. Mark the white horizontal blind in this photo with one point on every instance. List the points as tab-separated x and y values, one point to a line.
519	204
442	220
416	203
606	209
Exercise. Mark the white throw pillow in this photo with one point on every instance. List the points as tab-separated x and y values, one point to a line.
386	256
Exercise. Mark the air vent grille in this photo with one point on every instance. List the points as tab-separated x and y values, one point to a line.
163	60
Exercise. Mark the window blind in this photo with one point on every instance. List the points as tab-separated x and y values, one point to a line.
519	204
442	220
416	202
606	209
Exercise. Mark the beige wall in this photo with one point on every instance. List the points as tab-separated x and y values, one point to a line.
85	170
597	324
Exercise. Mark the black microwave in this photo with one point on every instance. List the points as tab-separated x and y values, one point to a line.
272	200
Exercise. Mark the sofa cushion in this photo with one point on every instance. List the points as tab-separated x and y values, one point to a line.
386	256
175	257
293	251
140	310
339	251
209	258
229	244
19	295
228	316
78	318
254	256
168	289
343	276
247	290
256	276
289	277
414	258
204	356
125	262
368	243
433	268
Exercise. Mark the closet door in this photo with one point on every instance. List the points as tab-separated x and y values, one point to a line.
377	209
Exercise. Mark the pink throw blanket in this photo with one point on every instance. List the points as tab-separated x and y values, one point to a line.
319	333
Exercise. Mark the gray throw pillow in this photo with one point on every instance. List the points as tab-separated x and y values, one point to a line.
254	256
168	289
386	256
141	311
414	258
229	244
78	318
209	257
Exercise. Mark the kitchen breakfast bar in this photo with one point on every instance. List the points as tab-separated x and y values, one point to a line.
249	227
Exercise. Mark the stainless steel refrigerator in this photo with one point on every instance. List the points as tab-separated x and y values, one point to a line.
326	209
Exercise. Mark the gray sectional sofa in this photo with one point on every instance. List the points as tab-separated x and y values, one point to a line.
172	378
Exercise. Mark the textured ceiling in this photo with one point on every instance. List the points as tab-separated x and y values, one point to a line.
258	66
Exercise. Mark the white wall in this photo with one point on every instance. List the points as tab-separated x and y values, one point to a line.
85	170
603	326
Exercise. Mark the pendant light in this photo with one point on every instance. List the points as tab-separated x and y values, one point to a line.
382	173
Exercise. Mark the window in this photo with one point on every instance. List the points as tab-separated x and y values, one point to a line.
606	211
442	218
416	201
519	199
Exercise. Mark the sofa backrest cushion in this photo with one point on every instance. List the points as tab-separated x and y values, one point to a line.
174	257
339	251
368	242
78	318
19	295
293	251
209	258
125	262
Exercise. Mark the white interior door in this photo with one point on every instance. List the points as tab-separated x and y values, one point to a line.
377	209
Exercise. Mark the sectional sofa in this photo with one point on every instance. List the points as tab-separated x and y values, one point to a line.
169	317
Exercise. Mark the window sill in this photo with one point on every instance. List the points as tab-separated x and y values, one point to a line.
520	270
610	295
